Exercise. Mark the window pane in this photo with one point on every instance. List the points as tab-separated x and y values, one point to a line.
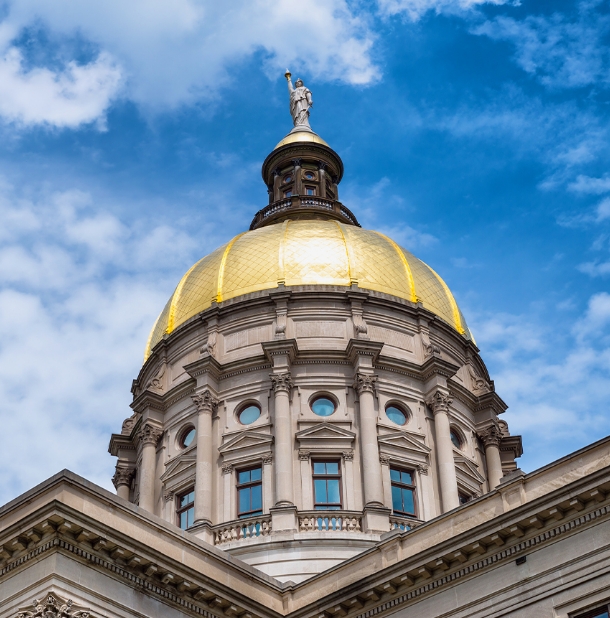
243	477
256	474
187	498
405	477
320	490
257	498
394	474
190	517
396	498
249	415
319	467
408	505
187	440
183	520
323	406
333	491
332	467
244	500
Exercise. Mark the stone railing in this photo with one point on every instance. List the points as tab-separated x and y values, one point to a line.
403	523
330	521
296	203
239	529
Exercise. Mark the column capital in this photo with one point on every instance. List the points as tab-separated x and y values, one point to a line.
364	383
384	460
348	455
150	434
281	382
227	469
439	401
122	476
304	455
491	435
205	402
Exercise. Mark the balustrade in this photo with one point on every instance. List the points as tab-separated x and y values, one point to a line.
242	529
403	523
331	521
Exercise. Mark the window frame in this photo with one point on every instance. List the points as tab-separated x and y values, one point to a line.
183	509
327	506
594	613
249	485
412	488
313	191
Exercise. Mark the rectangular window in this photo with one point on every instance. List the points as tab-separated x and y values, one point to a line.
186	509
310	190
403	491
250	492
327	485
600	612
288	193
464	498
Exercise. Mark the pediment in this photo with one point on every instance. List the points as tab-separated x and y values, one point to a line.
325	432
247	440
468	468
404	442
178	465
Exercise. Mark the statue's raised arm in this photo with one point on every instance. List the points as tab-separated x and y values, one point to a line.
300	102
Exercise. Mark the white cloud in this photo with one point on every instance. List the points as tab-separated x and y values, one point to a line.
414	9
554	375
75	95
561	52
589	185
173	52
79	291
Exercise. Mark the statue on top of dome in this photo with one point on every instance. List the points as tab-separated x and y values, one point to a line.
300	101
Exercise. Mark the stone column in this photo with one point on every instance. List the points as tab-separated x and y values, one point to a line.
267	483
491	439
149	436
204	478
371	466
306	481
276	185
297	177
227	490
322	175
387	483
348	488
284	492
439	403
122	481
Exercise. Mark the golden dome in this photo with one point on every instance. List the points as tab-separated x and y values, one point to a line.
314	252
301	136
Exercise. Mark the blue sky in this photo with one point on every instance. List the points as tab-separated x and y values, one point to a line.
475	133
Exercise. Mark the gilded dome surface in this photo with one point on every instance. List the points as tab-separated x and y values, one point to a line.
312	252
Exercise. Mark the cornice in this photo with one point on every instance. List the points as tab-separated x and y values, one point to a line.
437	366
148	399
363	347
281	347
205	364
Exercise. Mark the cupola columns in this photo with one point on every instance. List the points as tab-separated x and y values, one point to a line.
282	385
439	403
204	467
149	436
491	439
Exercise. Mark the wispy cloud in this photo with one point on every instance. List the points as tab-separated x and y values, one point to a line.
415	9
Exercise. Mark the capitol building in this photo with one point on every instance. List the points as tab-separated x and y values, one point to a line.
313	434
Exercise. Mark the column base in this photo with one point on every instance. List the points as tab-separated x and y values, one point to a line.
284	518
376	519
202	529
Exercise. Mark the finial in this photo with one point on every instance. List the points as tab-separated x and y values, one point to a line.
288	74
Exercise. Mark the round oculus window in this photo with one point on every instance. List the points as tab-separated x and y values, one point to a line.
323	406
249	414
456	439
396	415
309	176
287	178
187	438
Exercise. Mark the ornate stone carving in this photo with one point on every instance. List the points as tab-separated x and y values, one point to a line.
156	383
491	435
422	469
384	459
122	476
478	383
360	326
227	468
267	459
364	383
209	347
439	402
348	455
430	349
281	382
168	496
205	402
304	455
150	434
281	318
129	423
53	606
